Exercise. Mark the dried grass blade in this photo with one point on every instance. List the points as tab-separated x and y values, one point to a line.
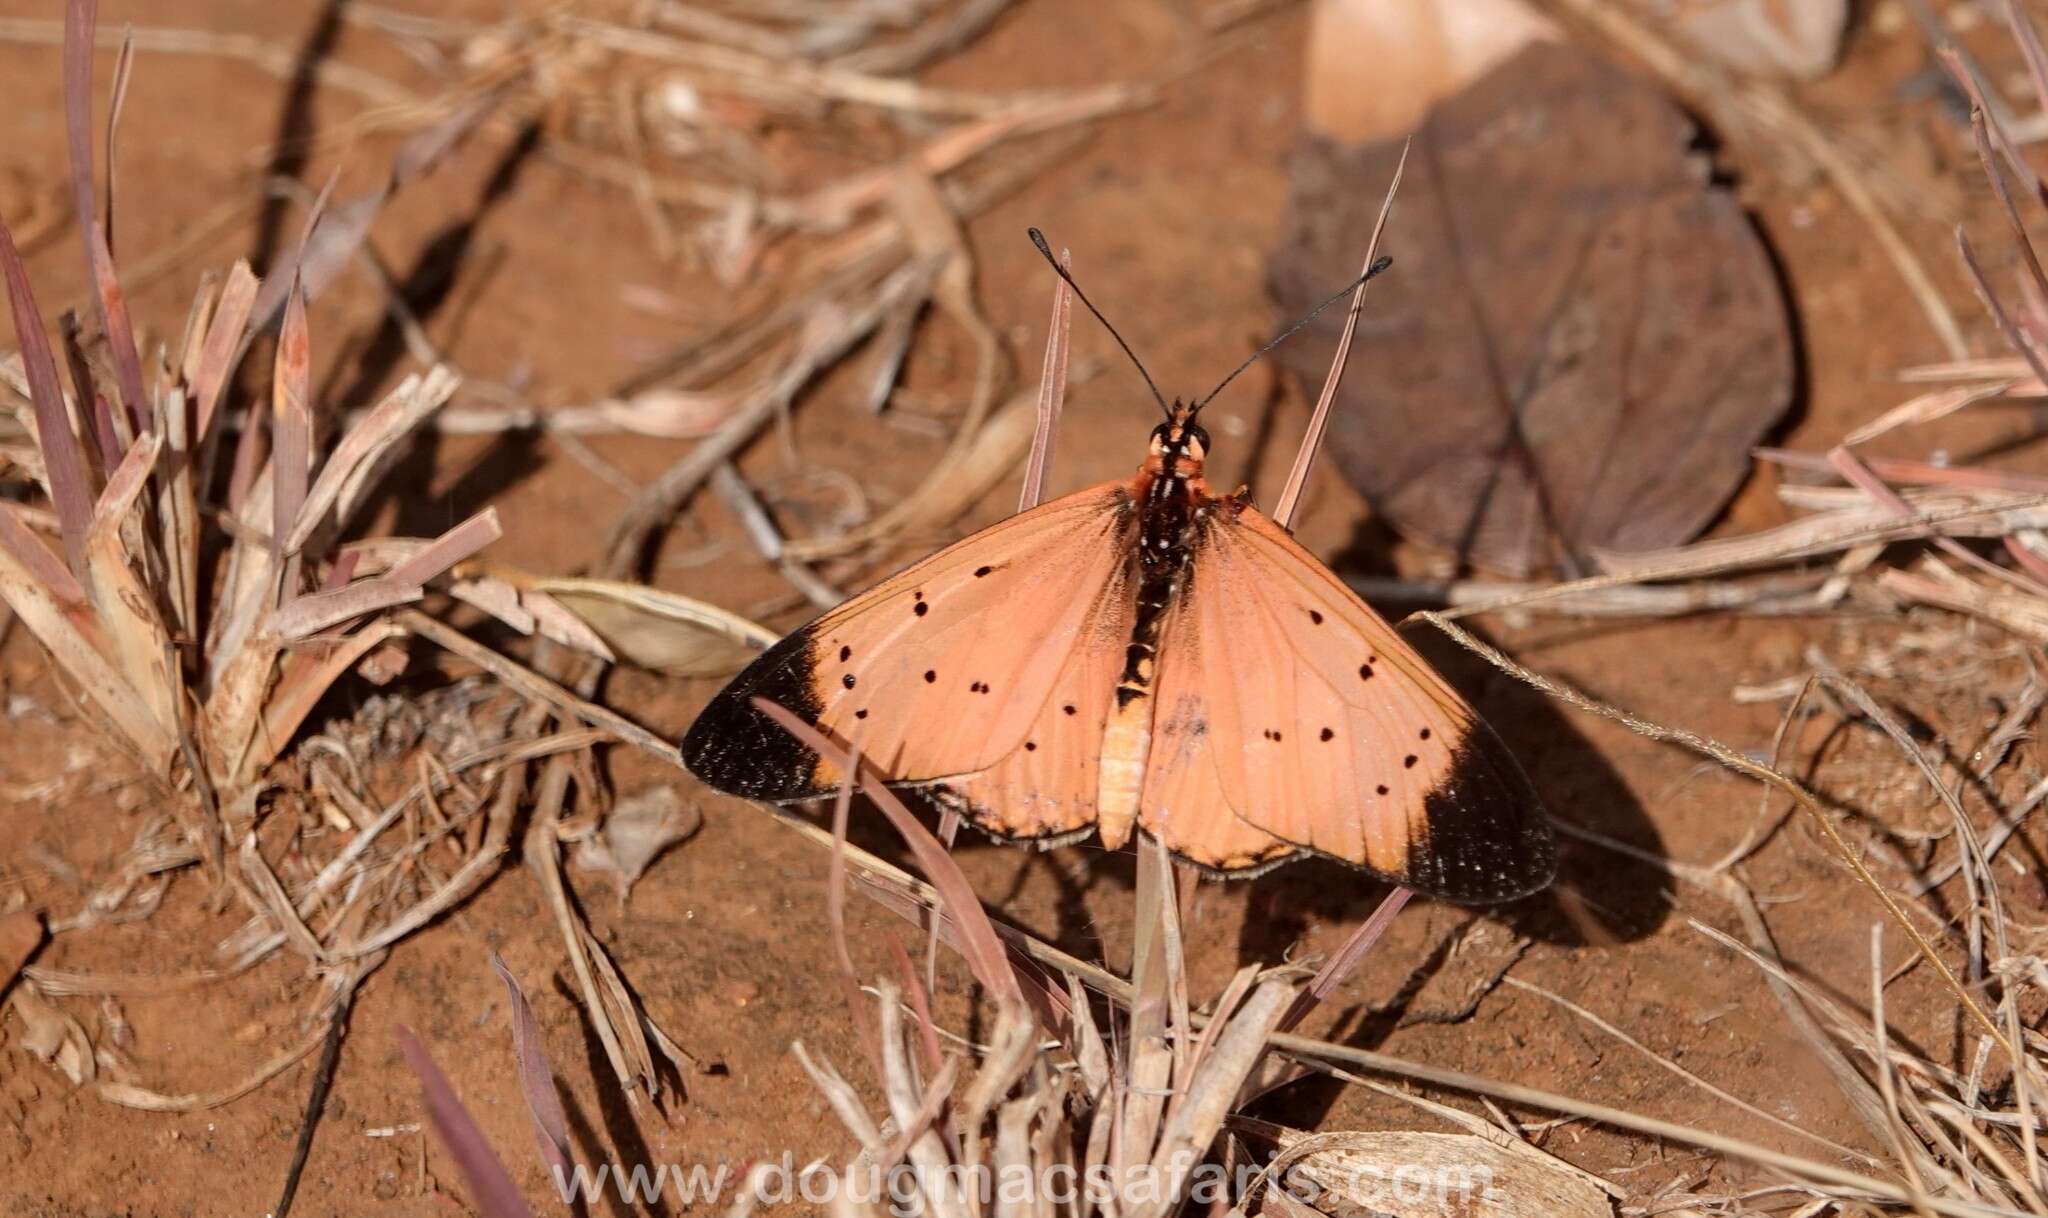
126	608
1052	390
537	1079
304	681
129	1096
68	642
1951	514
1214	1089
34	557
1916	473
490	1187
317	611
402	584
1926	408
1341	965
56	439
117	103
532	685
361	455
223	345
1857	474
178	508
457	544
529	612
1983	130
80	19
331	237
2022	613
270	892
979	944
1297	477
2014	338
120	334
292	431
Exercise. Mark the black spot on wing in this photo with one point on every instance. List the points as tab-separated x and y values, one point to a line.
1489	838
734	747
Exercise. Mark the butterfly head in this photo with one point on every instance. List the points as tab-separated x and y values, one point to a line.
1179	445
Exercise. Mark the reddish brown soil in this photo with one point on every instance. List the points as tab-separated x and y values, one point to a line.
1169	211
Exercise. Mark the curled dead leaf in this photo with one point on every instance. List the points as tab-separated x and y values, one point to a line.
674	414
663	631
1561	361
53	1035
1415	1174
635	832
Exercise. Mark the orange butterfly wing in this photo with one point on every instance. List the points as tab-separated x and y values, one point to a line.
1325	730
946	668
1045	789
1182	802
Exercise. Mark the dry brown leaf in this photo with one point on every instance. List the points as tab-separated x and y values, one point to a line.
1413	1174
663	631
1559	361
673	414
53	1035
634	834
1421	52
1800	38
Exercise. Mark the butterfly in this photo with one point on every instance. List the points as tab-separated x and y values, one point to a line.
1145	656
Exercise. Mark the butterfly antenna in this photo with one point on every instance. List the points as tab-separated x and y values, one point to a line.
1038	239
1379	264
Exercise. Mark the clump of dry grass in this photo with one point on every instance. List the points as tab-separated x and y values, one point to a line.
199	634
184	559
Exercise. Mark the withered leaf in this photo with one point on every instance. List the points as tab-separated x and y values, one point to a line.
1581	337
634	834
1800	38
1350	1173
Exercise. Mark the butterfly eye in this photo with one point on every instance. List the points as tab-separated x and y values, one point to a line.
1198	440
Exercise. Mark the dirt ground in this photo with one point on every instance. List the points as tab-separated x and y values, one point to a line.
1170	212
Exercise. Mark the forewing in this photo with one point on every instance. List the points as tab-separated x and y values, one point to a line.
1330	732
1045	789
939	671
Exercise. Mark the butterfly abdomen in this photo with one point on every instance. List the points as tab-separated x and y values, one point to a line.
1167	497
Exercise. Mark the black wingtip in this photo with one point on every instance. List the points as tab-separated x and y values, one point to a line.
1489	837
735	748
